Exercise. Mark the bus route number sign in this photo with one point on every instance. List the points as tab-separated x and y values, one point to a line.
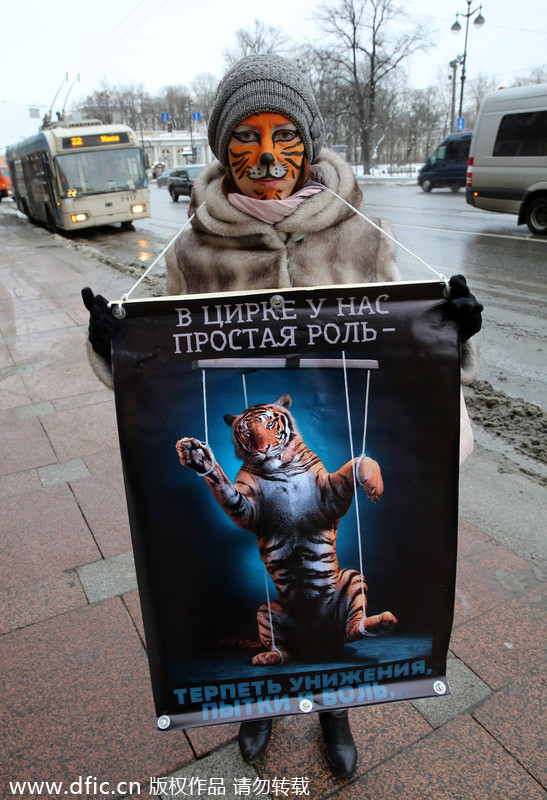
94	140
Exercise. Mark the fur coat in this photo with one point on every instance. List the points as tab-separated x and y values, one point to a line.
323	242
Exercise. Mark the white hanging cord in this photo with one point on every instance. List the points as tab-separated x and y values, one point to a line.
273	645
206	442
244	383
354	472
204	387
153	264
366	414
389	236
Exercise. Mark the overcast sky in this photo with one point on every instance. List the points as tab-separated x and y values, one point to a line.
160	42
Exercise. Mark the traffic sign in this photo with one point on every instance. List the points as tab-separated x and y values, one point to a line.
460	125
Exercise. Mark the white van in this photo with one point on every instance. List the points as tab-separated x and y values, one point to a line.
507	169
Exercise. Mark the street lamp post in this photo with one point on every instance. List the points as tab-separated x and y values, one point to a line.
454	66
478	22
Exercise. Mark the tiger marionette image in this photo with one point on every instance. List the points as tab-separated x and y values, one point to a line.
287	498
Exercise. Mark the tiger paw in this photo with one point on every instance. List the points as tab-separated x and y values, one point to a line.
370	477
270	658
379	623
195	454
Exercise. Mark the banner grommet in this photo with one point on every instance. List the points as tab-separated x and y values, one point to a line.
277	301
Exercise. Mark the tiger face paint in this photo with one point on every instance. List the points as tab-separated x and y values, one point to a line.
265	156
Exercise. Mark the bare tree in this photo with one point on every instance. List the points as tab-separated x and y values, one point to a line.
367	41
260	40
536	75
129	103
176	101
100	103
204	88
477	89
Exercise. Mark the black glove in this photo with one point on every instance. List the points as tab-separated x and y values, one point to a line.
101	323
463	308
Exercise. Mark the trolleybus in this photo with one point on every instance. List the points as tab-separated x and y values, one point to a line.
80	174
5	180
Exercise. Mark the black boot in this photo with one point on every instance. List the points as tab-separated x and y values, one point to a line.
339	744
253	738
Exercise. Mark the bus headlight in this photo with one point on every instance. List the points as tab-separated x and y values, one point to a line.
81	217
139	208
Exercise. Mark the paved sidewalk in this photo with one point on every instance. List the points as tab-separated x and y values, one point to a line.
76	699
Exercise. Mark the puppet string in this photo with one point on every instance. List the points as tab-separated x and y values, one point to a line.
204	386
153	264
354	473
273	645
392	238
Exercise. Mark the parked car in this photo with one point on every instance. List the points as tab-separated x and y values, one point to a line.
161	180
508	158
446	167
181	180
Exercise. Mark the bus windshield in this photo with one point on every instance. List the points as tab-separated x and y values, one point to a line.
100	171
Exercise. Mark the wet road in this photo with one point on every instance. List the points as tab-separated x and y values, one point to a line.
505	265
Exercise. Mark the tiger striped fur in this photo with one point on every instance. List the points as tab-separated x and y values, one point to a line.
285	496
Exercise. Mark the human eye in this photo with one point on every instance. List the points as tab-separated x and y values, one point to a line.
285	135
246	136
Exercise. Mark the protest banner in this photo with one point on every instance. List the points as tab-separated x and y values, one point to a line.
253	588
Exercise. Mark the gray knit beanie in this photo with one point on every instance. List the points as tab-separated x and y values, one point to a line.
265	83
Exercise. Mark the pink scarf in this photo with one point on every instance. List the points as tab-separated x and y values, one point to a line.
273	211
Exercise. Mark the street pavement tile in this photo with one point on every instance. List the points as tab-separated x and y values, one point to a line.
49	347
63	472
76	694
18	309
13	392
222	773
459	761
487	579
48	271
5	357
505	643
32	602
471	540
466	691
79	314
206	739
108	577
43	533
102	499
133	604
24	446
19	482
101	395
296	748
34	410
81	431
39	323
59	379
516	717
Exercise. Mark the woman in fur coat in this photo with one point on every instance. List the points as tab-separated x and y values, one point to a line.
265	218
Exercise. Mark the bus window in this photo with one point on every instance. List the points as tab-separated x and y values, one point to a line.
101	171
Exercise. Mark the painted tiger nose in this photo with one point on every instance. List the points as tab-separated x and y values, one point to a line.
267	159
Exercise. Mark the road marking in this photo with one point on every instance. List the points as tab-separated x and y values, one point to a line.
471	233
